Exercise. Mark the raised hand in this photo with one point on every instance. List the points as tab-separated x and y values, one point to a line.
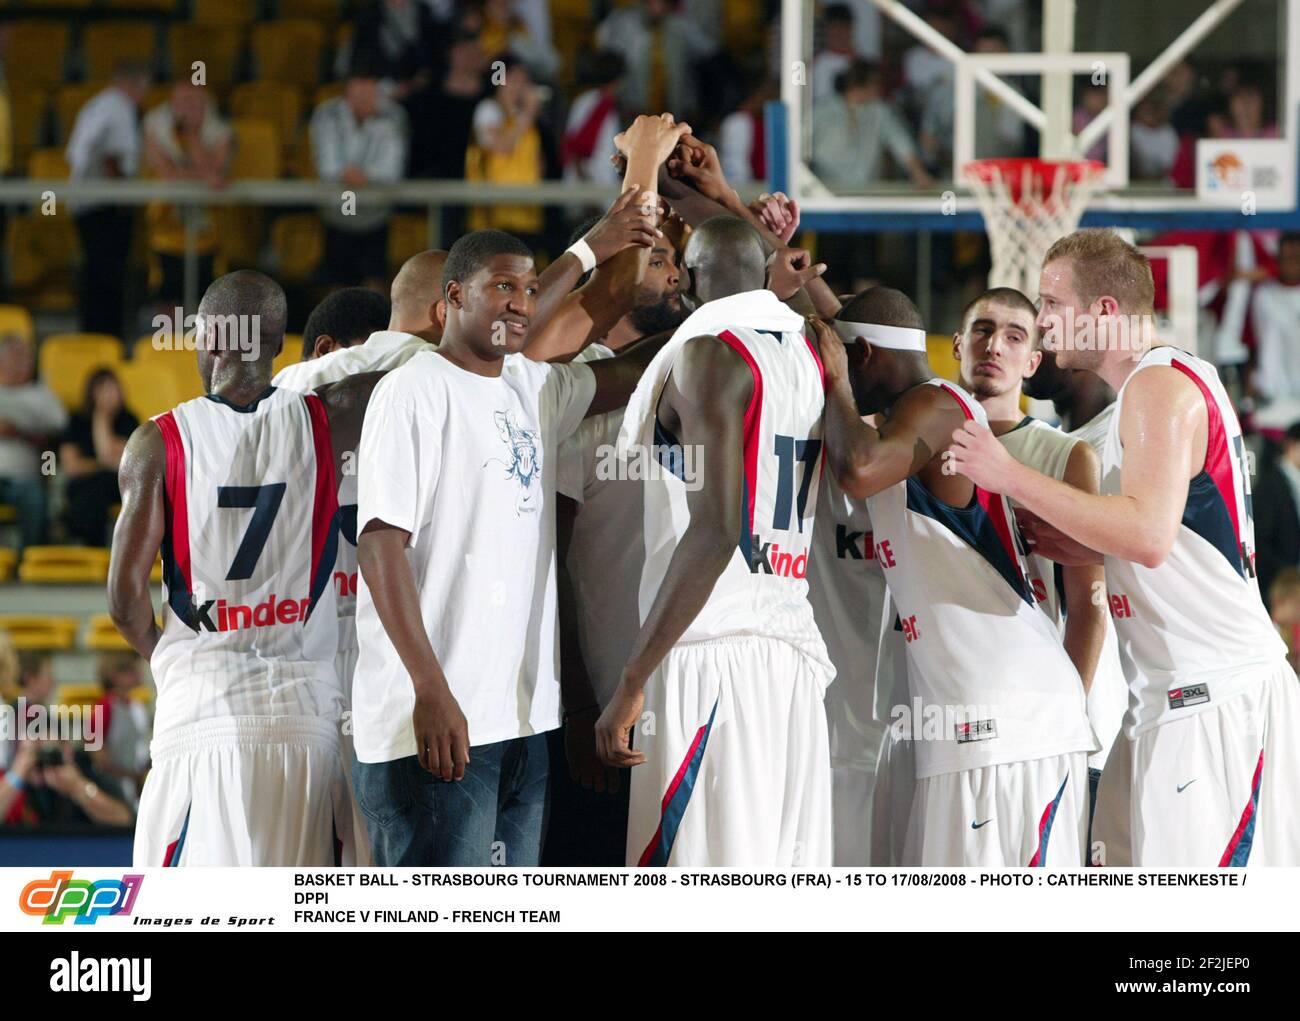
654	136
778	212
789	269
697	162
627	223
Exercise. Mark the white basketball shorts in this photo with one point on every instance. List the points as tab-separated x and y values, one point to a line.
737	769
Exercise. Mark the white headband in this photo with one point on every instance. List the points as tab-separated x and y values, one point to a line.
899	338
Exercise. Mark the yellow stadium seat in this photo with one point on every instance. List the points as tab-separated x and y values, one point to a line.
68	359
328	11
290	354
257	149
328	91
179	363
225	12
8	515
16	319
144	693
37	53
150	389
110	43
408	233
298	244
102	635
8	557
28	106
271	101
219	47
36	632
64	564
68	101
85	695
41	252
48	164
288	51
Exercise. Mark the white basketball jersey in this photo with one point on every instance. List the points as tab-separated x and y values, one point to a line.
846	588
1193	632
993	681
248	550
763	590
1047	450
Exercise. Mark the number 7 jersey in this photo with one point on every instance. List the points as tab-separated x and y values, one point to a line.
248	552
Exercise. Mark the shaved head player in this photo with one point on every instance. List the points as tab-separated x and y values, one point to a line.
237	489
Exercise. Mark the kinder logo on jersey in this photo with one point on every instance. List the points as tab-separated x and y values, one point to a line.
61	897
976	730
769	558
1188	695
854	545
219	615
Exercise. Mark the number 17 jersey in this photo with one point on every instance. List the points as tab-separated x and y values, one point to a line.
249	541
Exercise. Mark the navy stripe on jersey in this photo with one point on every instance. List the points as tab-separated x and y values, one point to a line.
975	528
668	451
243	409
1211	510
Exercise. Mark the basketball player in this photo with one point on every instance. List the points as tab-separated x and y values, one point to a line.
345	318
728	661
456	614
1214	762
599	572
238	490
1002	739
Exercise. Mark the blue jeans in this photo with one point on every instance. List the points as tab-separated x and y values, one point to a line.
28	495
494	816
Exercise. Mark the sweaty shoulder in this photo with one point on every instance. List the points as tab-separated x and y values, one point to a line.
927	401
708	361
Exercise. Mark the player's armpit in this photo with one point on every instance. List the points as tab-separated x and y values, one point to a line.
138	536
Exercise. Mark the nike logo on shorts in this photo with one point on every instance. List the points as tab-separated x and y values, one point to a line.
977	825
1186	785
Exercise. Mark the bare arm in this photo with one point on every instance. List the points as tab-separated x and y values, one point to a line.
1085	584
1163	428
345	407
710	388
441	731
137	538
617	377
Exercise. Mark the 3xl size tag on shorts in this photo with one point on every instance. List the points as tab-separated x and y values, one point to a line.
976	730
1188	694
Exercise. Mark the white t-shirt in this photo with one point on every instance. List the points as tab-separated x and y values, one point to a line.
467	465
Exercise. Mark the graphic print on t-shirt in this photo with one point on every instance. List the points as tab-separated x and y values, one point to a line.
525	460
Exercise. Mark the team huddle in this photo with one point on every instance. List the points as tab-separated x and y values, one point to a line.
670	556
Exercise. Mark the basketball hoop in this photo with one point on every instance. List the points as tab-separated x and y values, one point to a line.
1027	205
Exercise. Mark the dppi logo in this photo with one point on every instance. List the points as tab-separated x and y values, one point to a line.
61	897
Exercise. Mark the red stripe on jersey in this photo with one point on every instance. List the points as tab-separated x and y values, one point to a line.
325	503
1218	458
753	415
174	487
994	506
821	369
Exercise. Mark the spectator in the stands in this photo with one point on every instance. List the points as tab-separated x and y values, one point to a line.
89	455
105	144
855	128
742	147
837	51
506	148
523	31
344	319
1276	507
122	725
358	139
661	46
923	68
1246	113
185	139
999	131
33	677
1275	313
51	781
456	99
30	417
1092	102
1153	142
593	122
1187	107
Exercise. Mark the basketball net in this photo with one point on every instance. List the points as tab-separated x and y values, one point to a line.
1028	204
